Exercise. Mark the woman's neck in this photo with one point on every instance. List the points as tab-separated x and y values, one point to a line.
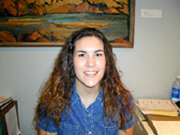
87	94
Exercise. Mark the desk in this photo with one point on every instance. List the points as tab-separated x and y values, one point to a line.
145	126
3	115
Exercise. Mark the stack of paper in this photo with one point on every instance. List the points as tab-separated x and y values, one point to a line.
167	127
157	107
4	102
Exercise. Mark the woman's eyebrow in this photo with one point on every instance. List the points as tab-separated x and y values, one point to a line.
96	51
81	51
99	51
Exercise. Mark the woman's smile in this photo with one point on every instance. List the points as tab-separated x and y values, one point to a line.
90	74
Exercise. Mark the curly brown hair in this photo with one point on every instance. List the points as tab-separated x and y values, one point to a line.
57	92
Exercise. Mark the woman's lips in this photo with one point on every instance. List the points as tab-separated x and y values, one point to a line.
90	73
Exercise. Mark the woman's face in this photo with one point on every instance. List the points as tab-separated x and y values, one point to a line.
89	61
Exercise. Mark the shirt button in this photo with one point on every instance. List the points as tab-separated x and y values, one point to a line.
89	132
89	115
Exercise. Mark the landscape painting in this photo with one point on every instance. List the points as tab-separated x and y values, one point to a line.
48	23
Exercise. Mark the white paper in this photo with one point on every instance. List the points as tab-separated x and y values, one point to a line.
167	127
156	105
12	122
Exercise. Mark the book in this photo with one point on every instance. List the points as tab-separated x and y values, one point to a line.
157	107
4	99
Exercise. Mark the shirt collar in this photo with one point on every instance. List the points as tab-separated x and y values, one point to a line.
75	97
100	96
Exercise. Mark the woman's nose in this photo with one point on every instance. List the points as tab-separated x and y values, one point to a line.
90	61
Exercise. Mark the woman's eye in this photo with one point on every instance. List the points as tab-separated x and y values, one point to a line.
81	55
99	54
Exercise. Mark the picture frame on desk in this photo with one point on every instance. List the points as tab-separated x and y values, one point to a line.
49	24
139	128
142	126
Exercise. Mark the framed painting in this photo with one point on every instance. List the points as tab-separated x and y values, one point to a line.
48	23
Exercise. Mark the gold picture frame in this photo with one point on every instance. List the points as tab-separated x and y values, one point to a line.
48	23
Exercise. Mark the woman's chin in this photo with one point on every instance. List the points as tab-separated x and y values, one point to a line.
91	84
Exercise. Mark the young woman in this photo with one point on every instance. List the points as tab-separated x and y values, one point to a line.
84	94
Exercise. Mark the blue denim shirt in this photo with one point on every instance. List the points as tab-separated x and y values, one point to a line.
84	121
